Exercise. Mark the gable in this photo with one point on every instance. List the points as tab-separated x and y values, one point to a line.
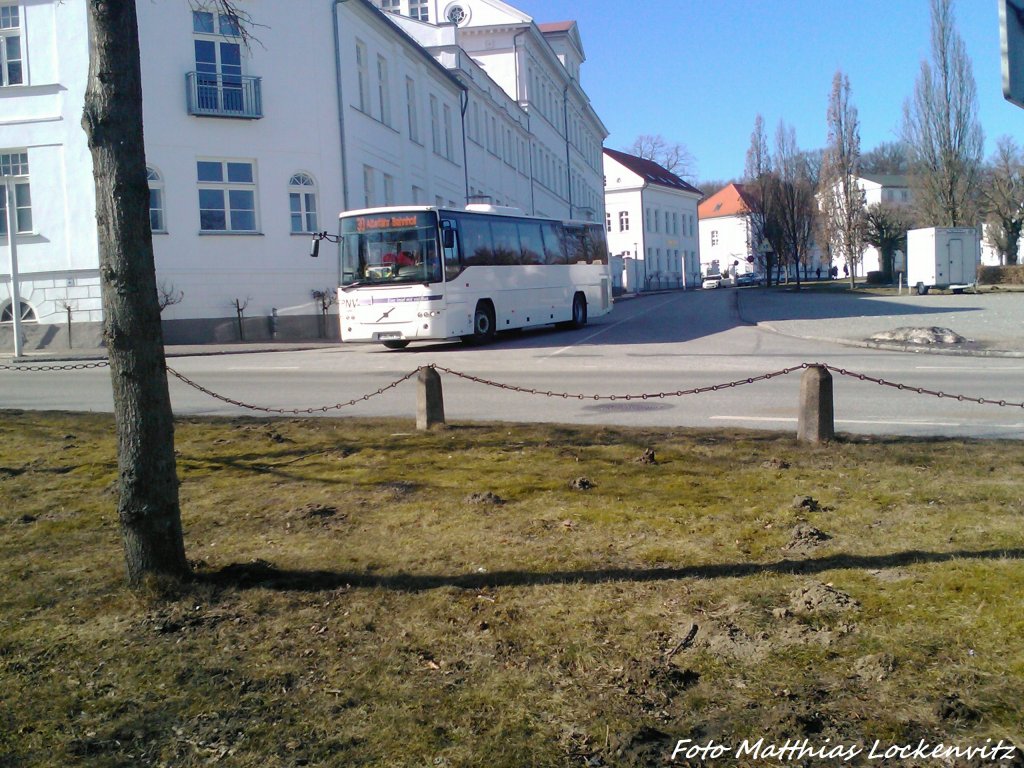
486	13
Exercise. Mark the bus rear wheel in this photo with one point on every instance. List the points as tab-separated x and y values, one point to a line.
483	324
396	344
579	313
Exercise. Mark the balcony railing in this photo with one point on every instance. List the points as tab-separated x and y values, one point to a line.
218	95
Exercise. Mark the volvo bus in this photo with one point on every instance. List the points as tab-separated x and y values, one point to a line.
424	273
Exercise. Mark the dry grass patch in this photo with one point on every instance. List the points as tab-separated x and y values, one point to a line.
370	595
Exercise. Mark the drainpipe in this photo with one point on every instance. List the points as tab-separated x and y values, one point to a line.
464	98
341	116
565	130
529	127
12	249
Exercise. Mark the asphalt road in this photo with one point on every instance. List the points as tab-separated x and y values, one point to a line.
652	345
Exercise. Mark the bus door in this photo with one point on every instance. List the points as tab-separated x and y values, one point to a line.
460	321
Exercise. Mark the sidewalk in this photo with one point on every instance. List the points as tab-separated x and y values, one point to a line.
992	322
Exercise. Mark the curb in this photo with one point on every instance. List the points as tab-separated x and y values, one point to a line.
182	351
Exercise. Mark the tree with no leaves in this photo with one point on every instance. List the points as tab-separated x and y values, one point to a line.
887	159
886	228
673	157
148	505
842	197
941	131
795	189
760	179
1002	199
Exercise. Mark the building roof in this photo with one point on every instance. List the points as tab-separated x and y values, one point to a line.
556	26
886	180
650	171
732	200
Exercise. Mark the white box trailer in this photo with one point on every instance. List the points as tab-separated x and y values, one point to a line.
943	257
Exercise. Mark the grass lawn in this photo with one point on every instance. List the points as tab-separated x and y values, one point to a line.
507	595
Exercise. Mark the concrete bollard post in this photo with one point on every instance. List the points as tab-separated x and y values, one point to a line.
817	417
429	399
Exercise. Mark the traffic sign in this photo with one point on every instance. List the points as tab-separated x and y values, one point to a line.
1011	38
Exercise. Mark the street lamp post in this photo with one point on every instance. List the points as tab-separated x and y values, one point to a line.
12	250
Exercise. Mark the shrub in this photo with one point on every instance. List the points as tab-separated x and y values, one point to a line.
1009	275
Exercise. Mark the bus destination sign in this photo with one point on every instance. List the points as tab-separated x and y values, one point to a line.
372	223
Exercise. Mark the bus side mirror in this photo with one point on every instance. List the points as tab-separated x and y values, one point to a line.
314	248
448	238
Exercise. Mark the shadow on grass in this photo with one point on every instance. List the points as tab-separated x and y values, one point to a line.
261	574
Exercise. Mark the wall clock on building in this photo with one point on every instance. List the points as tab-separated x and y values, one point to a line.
457	14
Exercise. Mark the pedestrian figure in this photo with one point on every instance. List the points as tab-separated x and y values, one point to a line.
846	270
817	272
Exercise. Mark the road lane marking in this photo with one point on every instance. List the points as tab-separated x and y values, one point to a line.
970	369
870	422
266	368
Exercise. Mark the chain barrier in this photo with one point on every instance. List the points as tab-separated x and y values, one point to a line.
65	367
640	396
545	393
920	390
289	411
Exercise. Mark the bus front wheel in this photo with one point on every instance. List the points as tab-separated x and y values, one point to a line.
483	324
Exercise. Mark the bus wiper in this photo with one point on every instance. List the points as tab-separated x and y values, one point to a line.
350	286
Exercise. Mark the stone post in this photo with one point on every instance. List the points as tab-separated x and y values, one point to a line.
816	423
429	399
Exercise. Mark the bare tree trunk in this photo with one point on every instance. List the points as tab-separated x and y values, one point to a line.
148	505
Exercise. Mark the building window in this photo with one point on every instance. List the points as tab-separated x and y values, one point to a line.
369	192
218	56
12	65
448	152
435	124
391	6
227	195
608	222
383	91
389	189
714	237
410	108
364	77
418	10
157	220
16	164
302	203
28	315
623	221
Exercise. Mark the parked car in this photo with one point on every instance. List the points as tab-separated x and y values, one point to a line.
711	281
748	278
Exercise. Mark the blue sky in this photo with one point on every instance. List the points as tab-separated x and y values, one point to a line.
699	72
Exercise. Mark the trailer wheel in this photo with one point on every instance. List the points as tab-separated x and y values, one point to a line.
922	289
396	343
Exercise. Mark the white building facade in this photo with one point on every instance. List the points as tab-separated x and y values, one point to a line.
251	146
651	221
726	241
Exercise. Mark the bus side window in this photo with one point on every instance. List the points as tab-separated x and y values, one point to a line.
554	243
531	242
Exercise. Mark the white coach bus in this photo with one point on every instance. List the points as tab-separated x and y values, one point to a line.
423	273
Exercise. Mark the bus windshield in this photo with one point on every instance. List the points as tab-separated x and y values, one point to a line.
390	248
